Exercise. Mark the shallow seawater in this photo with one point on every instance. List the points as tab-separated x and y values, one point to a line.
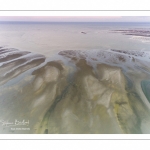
94	88
49	38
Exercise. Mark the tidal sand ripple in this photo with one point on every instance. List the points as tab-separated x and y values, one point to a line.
75	91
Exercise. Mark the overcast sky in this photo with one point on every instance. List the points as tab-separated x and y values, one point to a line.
77	18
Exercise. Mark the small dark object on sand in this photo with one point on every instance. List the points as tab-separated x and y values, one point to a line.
83	32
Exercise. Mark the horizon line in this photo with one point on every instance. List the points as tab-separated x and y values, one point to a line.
78	21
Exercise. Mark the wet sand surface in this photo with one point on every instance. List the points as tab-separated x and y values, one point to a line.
75	92
142	35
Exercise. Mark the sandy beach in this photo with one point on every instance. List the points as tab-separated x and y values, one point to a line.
74	91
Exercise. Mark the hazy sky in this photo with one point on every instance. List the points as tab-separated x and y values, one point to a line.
77	18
